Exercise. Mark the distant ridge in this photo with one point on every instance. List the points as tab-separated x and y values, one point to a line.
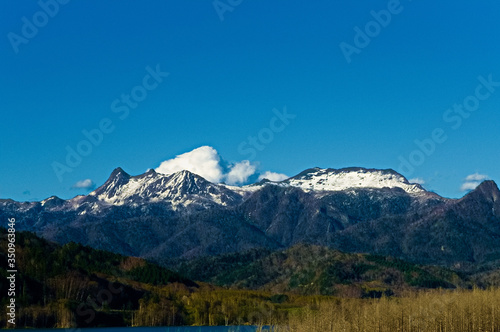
182	215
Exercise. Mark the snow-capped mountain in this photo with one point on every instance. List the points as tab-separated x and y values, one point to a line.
186	191
178	189
183	189
353	209
317	179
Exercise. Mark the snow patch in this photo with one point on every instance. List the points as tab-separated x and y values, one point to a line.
337	180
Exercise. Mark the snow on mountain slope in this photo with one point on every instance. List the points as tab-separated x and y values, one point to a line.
318	179
181	188
185	190
247	190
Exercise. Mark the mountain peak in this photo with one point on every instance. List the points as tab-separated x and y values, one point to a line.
487	189
352	177
119	172
180	188
185	172
117	179
185	175
52	201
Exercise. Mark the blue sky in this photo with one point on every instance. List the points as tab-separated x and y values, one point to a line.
231	67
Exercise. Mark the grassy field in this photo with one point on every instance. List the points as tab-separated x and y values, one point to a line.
454	311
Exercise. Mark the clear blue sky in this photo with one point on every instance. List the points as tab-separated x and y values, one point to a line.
226	77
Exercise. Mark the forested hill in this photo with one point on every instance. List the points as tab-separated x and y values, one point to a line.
75	285
309	269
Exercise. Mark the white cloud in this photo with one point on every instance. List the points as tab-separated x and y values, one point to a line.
84	184
272	176
417	180
240	172
206	162
476	177
472	181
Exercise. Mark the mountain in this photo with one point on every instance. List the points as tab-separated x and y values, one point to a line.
318	179
180	214
180	190
463	233
292	215
74	285
313	270
183	216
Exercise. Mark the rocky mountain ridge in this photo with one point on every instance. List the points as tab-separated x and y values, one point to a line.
182	215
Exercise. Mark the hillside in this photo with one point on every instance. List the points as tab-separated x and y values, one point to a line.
314	270
76	286
67	285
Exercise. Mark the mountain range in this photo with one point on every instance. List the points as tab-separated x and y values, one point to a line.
182	216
